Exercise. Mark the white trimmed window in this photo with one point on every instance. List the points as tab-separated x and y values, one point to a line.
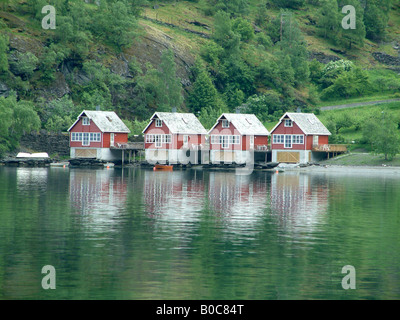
278	138
288	123
298	139
86	138
225	140
225	124
288	141
76	136
85	121
159	138
158	123
95	136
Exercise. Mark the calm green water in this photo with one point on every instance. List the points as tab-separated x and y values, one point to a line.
139	234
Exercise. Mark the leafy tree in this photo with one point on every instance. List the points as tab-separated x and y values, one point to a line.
381	130
25	64
355	36
285	70
294	46
329	19
244	28
16	118
315	68
234	7
3	53
332	70
203	93
114	24
208	115
264	105
224	35
348	84
161	88
376	19
292	4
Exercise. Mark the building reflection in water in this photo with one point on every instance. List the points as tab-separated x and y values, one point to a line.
298	201
97	195
240	200
174	199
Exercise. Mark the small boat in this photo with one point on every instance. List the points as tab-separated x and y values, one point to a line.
162	167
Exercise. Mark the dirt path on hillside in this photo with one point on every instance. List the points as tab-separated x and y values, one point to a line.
358	104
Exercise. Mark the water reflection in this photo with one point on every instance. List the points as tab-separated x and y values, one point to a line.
29	179
174	199
239	200
97	195
298	201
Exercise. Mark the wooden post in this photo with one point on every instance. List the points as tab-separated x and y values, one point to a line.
123	156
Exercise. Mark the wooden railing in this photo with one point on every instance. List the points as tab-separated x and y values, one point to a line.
129	146
261	148
330	148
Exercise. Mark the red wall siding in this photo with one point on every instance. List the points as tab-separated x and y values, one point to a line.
152	129
261	140
218	130
323	140
245	140
194	140
177	139
79	127
281	129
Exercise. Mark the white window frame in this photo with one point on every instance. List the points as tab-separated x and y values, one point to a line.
315	140
214	139
288	123
158	140
225	123
86	142
158	123
225	142
288	141
298	139
85	121
278	139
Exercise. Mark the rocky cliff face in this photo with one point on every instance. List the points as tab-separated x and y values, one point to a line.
52	143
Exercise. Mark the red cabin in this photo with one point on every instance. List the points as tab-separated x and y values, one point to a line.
296	137
95	134
172	137
234	136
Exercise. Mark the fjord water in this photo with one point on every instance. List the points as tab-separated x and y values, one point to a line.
193	234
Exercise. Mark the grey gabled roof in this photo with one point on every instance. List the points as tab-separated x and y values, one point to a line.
182	123
106	121
246	124
307	122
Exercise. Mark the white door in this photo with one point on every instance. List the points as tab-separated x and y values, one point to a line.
185	141
251	142
112	139
315	140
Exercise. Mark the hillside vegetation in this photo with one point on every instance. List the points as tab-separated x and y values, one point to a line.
207	56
